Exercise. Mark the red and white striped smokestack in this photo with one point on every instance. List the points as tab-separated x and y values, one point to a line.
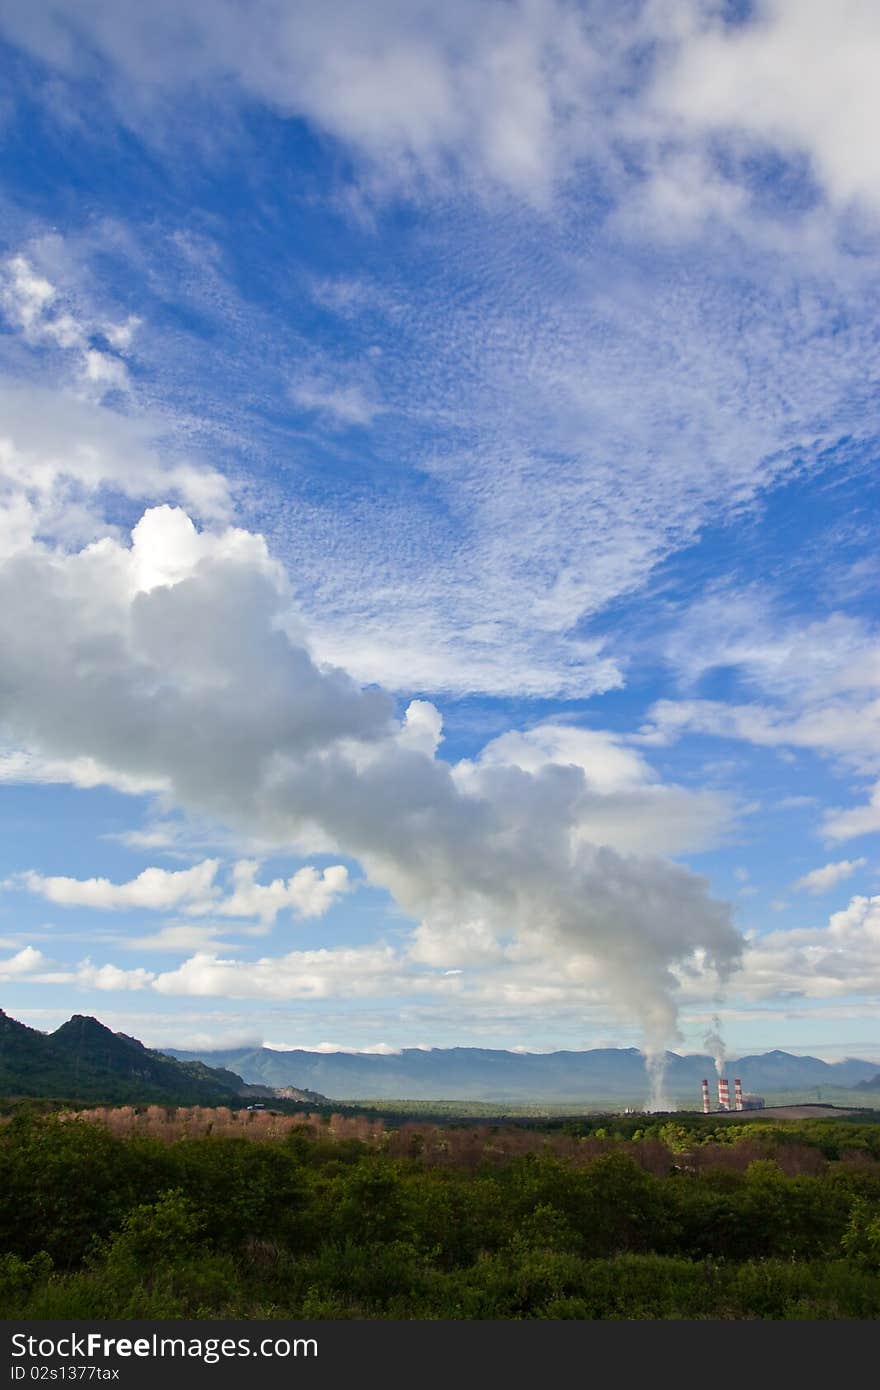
737	1094
723	1094
705	1097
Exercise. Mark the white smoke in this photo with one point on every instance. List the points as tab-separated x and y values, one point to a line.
173	664
655	1065
715	1046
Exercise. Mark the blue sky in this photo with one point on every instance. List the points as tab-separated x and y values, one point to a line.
438	542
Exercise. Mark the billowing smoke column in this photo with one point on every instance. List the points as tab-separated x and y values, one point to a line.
706	1106
175	666
723	1094
738	1094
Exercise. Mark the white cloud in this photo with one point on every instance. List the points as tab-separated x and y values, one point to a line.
153	889
32	965
578	445
422	728
177	938
798	78
343	403
837	960
849	730
801	661
858	820
380	1049
516	96
158	835
28	301
106	371
121	335
21	766
576	396
804	684
61	450
346	972
498	93
32	304
24	962
59	454
821	880
307	893
108	977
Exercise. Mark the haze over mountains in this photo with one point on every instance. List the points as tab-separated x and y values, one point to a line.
472	1073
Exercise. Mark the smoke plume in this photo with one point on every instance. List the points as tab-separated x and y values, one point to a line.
174	665
714	1045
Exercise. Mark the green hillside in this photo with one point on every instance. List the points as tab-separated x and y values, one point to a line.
83	1060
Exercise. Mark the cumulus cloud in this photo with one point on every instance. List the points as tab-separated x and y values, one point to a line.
836	960
307	893
104	977
59	455
24	962
33	966
821	880
154	889
171	658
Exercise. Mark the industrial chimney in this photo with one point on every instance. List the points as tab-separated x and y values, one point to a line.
705	1097
737	1094
723	1094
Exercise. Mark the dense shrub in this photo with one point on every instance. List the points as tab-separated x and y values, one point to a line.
105	1220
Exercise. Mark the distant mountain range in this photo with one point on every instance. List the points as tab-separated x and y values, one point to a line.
83	1060
484	1074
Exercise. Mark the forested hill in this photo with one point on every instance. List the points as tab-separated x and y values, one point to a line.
469	1073
83	1060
